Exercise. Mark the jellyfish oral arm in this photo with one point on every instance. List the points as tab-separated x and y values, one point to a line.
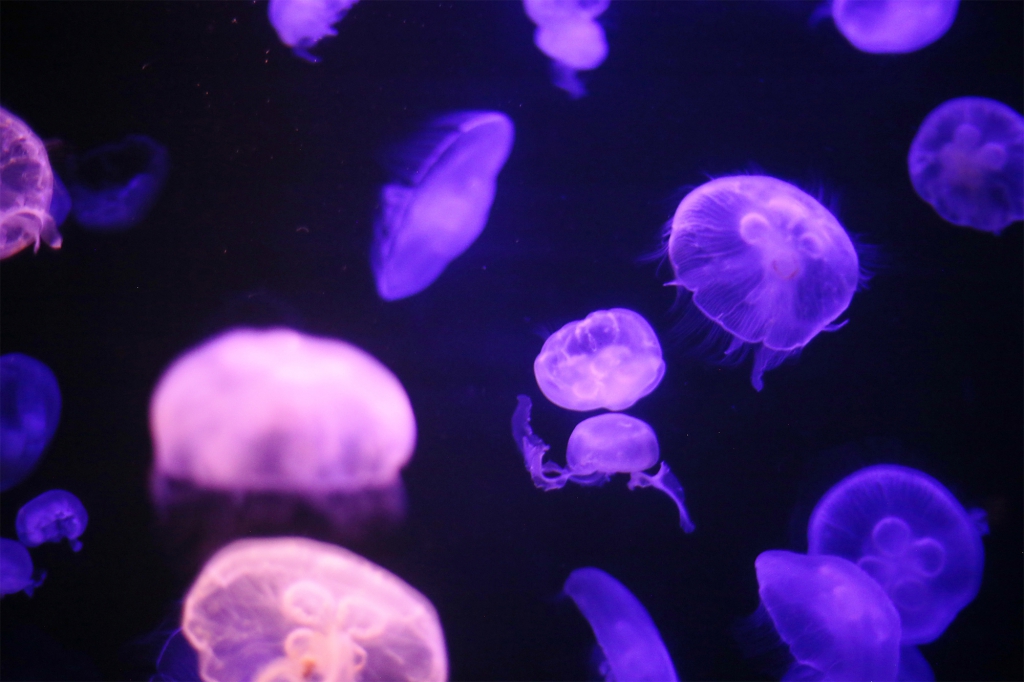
545	475
665	481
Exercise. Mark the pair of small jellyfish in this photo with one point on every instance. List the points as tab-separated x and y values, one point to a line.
51	517
568	33
893	26
301	24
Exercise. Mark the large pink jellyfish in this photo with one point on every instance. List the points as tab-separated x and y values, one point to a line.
26	189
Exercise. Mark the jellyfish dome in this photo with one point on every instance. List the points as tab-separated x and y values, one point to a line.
26	190
296	609
765	261
909	533
29	412
568	33
16	569
833	616
301	24
553	12
967	162
893	26
51	517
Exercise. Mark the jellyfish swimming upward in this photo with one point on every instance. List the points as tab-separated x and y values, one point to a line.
26	189
29	412
301	24
53	516
893	26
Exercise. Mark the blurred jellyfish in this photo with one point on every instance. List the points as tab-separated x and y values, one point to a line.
568	33
913	666
909	533
765	262
29	412
447	179
26	189
598	448
60	203
296	609
967	161
893	26
301	24
16	569
52	517
176	660
632	646
609	359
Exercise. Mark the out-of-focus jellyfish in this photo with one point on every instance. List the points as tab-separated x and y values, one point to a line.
913	666
765	261
176	660
29	412
26	188
893	26
60	203
296	609
441	200
52	517
832	615
609	359
568	33
114	186
16	569
301	24
967	161
909	533
632	646
598	448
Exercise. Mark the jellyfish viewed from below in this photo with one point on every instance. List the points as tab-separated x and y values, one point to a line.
53	516
29	412
568	34
16	569
765	262
301	24
909	533
967	162
296	609
893	26
26	189
441	200
632	646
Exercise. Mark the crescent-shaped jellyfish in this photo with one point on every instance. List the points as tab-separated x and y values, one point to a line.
632	646
51	517
441	201
26	190
294	609
909	533
29	412
893	26
301	24
765	262
967	162
16	569
568	34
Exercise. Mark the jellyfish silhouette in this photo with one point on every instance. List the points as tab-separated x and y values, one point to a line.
967	161
26	191
441	202
632	646
765	261
893	26
29	412
16	569
909	533
51	517
568	34
301	24
296	609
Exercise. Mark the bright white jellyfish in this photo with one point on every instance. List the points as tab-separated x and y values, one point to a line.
632	646
765	261
609	359
16	569
26	189
568	33
967	161
51	517
893	26
278	609
301	24
439	206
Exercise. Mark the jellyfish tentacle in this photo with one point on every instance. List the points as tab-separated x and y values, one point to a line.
665	481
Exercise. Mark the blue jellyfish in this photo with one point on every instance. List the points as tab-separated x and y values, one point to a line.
114	186
16	569
765	261
438	209
893	26
910	534
29	412
53	516
835	619
568	33
609	359
632	646
301	24
60	203
967	161
26	191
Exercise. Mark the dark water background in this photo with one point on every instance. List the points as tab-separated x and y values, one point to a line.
927	373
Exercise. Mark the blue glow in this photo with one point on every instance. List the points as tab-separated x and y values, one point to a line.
27	189
16	569
53	516
29	412
60	202
893	26
301	24
913	666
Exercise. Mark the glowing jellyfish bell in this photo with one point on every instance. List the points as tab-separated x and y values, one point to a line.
29	413
568	33
51	517
893	26
16	569
294	609
26	191
301	24
967	162
765	262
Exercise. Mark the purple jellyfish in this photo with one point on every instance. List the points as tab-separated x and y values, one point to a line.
568	33
26	191
301	24
16	569
29	412
53	516
893	26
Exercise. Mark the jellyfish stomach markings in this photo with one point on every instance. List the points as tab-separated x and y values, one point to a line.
901	563
53	516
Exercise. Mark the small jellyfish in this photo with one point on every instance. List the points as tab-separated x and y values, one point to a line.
26	189
893	26
52	517
609	359
632	646
16	569
301	24
568	33
29	412
765	261
295	609
833	616
909	533
967	161
447	180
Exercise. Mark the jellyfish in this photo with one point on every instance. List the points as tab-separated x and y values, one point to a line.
913	666
52	517
598	448
441	202
609	359
16	569
832	615
296	609
893	26
301	24
29	412
909	533
26	190
967	162
632	647
60	203
176	661
765	262
568	33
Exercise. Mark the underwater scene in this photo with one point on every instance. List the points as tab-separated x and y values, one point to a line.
512	340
